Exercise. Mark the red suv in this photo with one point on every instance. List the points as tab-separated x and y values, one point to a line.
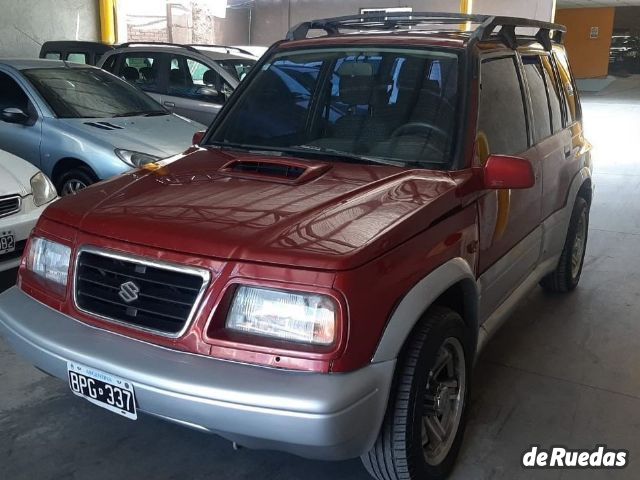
319	272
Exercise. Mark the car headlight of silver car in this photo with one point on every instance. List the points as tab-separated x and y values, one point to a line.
290	316
42	189
49	260
135	159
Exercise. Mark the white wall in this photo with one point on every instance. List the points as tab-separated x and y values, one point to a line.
537	9
26	24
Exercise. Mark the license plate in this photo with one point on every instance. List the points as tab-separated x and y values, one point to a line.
103	389
7	242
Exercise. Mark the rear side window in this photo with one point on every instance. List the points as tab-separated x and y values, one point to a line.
53	56
142	70
555	97
538	93
77	58
502	122
568	87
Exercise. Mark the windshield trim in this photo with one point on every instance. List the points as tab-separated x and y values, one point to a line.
461	122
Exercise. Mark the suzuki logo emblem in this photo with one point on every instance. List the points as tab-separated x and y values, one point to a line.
129	291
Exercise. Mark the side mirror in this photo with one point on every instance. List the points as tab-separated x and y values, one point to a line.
14	115
208	92
503	172
198	136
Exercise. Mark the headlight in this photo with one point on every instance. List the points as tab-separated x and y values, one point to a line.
42	189
49	260
135	159
290	316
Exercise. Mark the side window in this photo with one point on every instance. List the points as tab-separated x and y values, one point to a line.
13	96
53	56
534	74
555	97
568	87
193	79
142	70
77	57
502	124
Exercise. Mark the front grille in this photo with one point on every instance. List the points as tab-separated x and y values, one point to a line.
143	294
9	205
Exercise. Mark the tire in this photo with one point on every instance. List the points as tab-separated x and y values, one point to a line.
74	180
567	274
400	452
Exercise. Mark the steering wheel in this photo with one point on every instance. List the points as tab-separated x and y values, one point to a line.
422	129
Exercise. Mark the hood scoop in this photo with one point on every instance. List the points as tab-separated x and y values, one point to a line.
104	125
280	170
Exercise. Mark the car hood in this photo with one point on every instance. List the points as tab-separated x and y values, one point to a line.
161	136
338	217
15	175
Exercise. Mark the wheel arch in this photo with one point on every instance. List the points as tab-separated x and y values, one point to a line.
67	163
452	285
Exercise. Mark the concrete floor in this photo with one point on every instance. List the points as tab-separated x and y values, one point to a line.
563	371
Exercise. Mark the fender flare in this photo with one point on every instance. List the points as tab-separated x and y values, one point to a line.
421	296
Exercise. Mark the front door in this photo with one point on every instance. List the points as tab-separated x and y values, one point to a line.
510	233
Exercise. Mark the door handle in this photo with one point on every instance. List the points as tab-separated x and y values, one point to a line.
169	104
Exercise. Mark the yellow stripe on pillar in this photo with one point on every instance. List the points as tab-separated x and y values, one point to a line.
108	21
466	6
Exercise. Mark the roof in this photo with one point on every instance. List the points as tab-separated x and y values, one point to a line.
26	63
215	52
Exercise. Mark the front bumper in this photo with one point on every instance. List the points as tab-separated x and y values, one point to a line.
324	416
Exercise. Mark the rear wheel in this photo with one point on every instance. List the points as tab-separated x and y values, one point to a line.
74	180
424	423
567	274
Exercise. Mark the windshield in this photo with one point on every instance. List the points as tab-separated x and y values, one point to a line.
237	68
394	105
90	93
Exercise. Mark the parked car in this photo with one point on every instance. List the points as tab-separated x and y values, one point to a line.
335	275
24	194
191	80
80	124
625	52
74	51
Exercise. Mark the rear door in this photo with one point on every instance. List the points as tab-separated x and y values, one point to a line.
196	90
510	233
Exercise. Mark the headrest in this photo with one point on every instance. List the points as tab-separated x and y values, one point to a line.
355	69
176	77
210	77
411	72
130	73
147	73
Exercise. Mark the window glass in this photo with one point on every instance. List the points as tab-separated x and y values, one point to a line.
502	122
90	93
77	58
11	94
553	89
142	70
538	93
237	68
193	79
573	109
53	56
389	103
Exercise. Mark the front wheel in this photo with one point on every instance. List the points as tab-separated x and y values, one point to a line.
74	180
425	419
567	274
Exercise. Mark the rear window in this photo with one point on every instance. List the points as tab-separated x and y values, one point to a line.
394	104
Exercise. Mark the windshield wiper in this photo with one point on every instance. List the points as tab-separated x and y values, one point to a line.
144	113
346	156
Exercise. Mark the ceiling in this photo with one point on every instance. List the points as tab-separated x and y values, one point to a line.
597	3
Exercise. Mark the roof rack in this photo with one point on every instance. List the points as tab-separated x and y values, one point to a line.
228	48
417	21
166	44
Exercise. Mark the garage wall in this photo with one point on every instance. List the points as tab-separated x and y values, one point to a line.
537	9
589	56
26	24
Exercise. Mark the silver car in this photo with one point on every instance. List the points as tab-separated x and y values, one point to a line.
80	124
190	80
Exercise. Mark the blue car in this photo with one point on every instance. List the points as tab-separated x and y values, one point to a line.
80	124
